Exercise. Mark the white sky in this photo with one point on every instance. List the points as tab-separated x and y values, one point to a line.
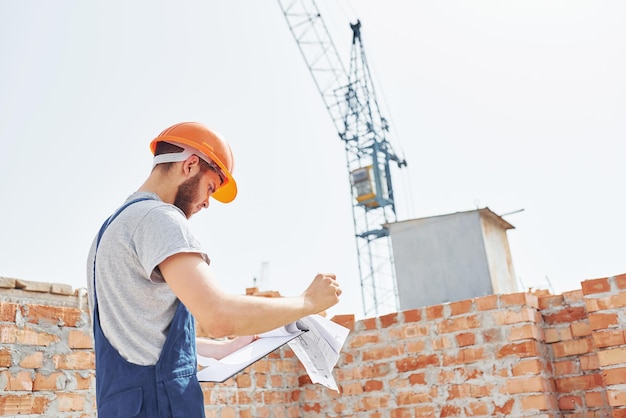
506	104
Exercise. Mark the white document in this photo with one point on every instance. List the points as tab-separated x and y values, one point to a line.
318	350
315	340
221	370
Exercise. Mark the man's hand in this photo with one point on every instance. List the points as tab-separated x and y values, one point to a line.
220	349
322	293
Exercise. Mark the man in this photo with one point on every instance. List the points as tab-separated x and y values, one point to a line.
148	278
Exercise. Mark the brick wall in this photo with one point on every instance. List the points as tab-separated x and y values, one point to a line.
46	351
523	354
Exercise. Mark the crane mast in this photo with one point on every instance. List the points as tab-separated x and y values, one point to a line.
350	99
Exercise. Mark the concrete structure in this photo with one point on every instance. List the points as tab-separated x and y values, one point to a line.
451	257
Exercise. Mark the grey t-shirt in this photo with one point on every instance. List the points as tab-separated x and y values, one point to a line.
136	305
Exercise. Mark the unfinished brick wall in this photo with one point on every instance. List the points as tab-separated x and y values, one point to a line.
523	354
46	351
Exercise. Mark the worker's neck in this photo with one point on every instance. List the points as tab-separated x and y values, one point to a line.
162	185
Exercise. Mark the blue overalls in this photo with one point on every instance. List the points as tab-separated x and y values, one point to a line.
169	388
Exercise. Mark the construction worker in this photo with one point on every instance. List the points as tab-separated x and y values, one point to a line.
148	279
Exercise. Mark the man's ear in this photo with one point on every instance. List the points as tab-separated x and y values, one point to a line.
190	165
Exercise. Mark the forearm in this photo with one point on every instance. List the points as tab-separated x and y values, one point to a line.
250	315
221	314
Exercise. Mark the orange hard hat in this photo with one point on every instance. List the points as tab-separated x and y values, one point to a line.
211	147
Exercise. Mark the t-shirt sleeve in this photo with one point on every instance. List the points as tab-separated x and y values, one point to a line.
163	232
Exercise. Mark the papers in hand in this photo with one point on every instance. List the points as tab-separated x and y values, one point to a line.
315	340
221	370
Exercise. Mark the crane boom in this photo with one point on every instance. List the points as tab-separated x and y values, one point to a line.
350	99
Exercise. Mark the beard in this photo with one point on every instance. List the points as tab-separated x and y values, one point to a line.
187	194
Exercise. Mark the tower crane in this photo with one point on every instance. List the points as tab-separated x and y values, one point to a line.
350	99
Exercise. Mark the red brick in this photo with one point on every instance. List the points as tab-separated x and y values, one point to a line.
373	385
434	312
574	383
518	299
412	330
573	296
381	353
566	315
527	367
596	286
477	409
608	338
570	403
450	411
352	388
465	338
612	356
521	349
441	343
20	381
360	340
525	332
388	320
417	362
461	307
5	357
550	301
616	397
57	315
78	360
507	317
80	339
603	320
541	402
412	398
344	320
615	376
565	367
424	411
580	329
486	303
401	413
466	390
413	315
32	360
465	356
596	399
572	347
417	379
460	323
7	311
22	405
30	336
369	323
368	403
620	281
589	362
85	382
525	385
49	382
617	301
370	371
414	347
